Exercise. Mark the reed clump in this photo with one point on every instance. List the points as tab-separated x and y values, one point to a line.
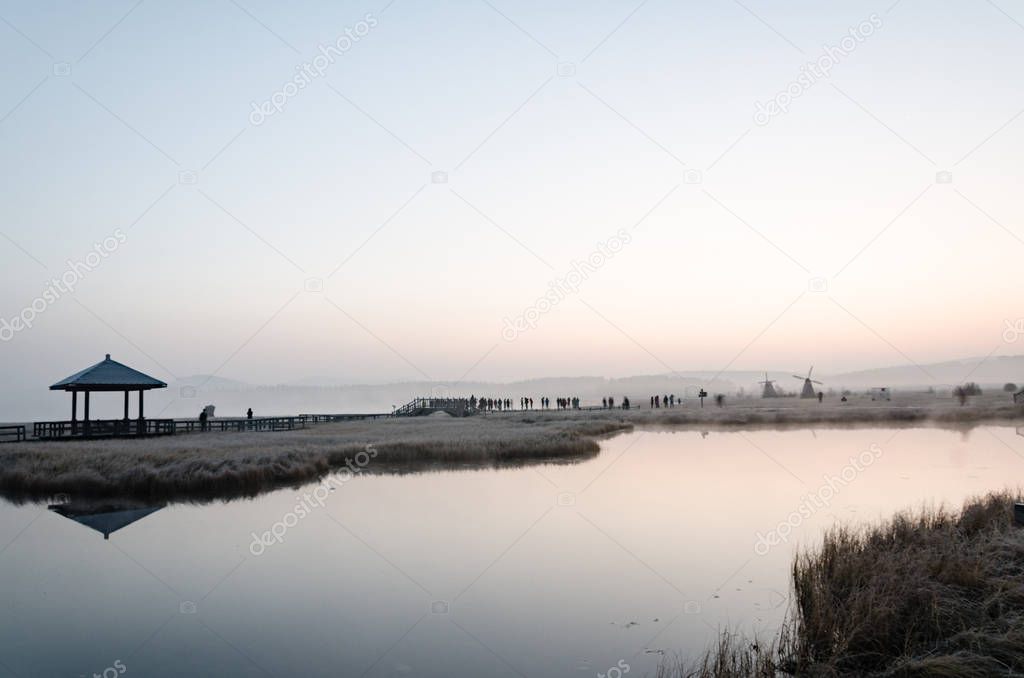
928	593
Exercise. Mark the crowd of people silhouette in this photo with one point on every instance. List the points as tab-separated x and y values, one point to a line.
526	403
488	404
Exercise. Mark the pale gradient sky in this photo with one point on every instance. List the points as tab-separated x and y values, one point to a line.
542	167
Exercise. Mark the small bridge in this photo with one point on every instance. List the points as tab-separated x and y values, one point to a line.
421	407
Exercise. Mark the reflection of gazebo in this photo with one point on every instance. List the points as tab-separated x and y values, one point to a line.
104	518
110	376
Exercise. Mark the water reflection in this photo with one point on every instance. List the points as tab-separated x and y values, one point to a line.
541	570
105	518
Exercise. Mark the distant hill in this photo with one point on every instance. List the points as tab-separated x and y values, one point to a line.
187	396
992	372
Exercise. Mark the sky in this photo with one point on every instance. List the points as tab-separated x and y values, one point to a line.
497	190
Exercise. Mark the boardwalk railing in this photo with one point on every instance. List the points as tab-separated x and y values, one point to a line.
327	418
14	433
239	425
116	428
102	428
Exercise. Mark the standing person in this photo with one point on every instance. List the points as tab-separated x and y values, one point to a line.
821	396
657	401
248	414
652	402
202	420
611	403
672	401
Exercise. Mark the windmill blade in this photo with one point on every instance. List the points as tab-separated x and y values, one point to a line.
817	382
809	371
797	376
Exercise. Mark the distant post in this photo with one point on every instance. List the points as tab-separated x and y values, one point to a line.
702	395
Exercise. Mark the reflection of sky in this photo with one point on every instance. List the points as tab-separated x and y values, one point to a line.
559	164
658	524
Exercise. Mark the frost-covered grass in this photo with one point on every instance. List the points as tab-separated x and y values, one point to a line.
203	465
928	593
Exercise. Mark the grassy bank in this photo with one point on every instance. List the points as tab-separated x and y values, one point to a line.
232	464
932	593
222	465
904	408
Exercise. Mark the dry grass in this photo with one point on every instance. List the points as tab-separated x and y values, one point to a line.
730	656
931	593
224	465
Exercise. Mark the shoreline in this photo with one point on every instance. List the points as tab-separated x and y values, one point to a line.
216	465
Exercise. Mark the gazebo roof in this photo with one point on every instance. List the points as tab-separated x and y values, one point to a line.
108	375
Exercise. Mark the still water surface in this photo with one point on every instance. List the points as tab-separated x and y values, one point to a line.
571	570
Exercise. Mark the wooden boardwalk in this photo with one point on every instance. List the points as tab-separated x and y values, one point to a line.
132	428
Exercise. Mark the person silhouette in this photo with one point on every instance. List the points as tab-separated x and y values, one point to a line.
248	414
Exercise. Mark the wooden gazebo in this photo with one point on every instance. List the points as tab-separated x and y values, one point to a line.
105	376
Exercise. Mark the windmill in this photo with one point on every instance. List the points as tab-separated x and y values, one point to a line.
769	390
808	390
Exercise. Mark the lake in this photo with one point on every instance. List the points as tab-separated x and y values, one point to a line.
560	570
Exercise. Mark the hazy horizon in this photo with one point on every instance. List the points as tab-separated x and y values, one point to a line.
390	220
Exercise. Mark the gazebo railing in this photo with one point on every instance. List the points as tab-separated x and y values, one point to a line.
13	433
102	428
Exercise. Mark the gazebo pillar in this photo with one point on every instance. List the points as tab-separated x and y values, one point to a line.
142	427
87	425
126	405
74	412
